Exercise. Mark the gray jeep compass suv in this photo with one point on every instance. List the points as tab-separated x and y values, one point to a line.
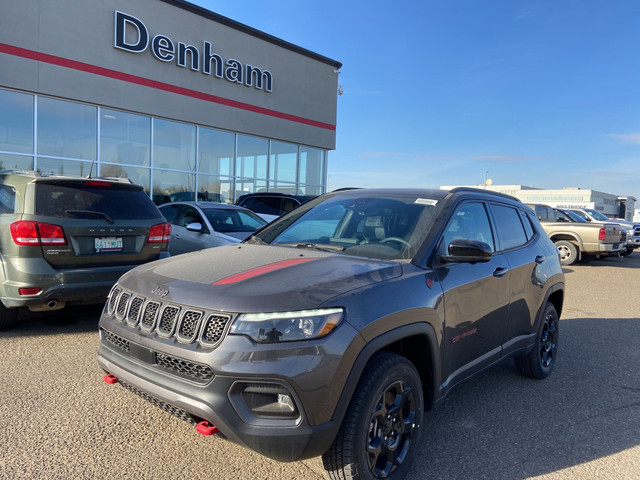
67	240
331	330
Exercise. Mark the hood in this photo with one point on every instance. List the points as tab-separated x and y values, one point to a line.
257	278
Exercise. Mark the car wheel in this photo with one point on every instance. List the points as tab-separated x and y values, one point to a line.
379	434
626	251
568	252
539	362
8	317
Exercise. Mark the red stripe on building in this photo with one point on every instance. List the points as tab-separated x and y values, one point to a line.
146	82
254	272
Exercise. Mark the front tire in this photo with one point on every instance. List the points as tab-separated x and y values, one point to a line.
539	362
568	252
379	435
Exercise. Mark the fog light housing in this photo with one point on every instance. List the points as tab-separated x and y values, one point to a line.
266	400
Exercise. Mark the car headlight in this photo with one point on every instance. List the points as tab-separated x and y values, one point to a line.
287	326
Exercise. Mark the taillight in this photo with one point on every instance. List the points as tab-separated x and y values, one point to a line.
603	233
97	183
159	233
28	232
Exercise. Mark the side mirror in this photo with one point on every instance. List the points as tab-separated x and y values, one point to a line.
194	227
468	251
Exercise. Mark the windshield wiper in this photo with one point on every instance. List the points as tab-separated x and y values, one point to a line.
316	246
92	214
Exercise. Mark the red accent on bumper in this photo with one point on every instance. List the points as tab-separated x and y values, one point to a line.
205	428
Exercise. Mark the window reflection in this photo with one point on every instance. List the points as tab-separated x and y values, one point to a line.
124	137
16	122
215	189
73	168
311	165
174	145
216	150
252	157
139	176
15	162
174	186
283	161
66	129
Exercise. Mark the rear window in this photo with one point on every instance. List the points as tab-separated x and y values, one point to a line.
7	199
56	200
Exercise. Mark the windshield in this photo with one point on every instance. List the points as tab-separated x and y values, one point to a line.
573	216
227	221
391	227
599	216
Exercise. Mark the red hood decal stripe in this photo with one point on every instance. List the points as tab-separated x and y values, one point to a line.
254	272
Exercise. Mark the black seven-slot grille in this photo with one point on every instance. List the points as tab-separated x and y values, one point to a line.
175	365
167	320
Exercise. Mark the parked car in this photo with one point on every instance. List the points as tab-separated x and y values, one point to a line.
332	329
271	205
202	197
632	230
579	241
67	240
203	225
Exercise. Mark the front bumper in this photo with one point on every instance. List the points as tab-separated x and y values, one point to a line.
197	380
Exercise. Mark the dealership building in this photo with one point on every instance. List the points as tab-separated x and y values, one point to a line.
174	97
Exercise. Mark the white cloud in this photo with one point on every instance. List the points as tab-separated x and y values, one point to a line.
633	138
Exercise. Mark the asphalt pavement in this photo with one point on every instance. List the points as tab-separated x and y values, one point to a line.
59	420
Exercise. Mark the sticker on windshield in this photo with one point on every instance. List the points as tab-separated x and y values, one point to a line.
426	201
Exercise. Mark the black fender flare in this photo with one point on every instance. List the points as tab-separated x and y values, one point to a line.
379	343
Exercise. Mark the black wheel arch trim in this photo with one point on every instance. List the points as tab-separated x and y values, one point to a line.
378	344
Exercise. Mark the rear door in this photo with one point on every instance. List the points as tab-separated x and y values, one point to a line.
104	223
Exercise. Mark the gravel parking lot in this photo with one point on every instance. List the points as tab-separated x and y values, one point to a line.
60	420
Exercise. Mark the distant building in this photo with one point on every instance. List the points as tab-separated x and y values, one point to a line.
569	197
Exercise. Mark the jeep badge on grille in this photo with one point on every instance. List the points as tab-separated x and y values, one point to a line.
160	292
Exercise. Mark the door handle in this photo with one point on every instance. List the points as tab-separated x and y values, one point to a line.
500	271
539	259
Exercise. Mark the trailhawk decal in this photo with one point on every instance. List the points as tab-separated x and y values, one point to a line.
254	272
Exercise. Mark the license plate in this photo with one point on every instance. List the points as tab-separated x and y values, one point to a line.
108	244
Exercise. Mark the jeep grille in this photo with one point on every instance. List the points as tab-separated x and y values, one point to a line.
168	320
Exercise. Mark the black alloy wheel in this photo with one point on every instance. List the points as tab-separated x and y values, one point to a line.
539	362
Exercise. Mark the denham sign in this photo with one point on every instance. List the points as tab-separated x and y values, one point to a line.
132	36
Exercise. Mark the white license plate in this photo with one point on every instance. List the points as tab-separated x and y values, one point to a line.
108	244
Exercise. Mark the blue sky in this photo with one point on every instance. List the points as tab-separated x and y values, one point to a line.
438	92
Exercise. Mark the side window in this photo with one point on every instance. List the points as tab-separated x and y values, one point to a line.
509	227
7	199
189	215
470	221
171	213
528	228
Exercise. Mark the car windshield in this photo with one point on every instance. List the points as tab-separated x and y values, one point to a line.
599	216
573	216
390	227
227	221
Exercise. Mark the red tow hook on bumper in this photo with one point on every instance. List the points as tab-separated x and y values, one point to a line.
205	428
110	378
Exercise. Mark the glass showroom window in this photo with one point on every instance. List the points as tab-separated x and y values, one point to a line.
312	161
16	126
283	162
66	129
138	175
125	138
215	189
216	149
171	186
72	168
251	161
174	145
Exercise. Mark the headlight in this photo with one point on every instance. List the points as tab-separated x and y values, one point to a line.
287	326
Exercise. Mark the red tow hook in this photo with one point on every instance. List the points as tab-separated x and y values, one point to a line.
205	428
110	378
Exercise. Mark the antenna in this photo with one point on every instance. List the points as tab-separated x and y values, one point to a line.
91	168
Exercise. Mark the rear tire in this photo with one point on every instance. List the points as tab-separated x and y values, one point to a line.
626	251
568	252
8	317
539	362
379	434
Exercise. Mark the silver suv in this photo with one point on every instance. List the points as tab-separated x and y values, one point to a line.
67	240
